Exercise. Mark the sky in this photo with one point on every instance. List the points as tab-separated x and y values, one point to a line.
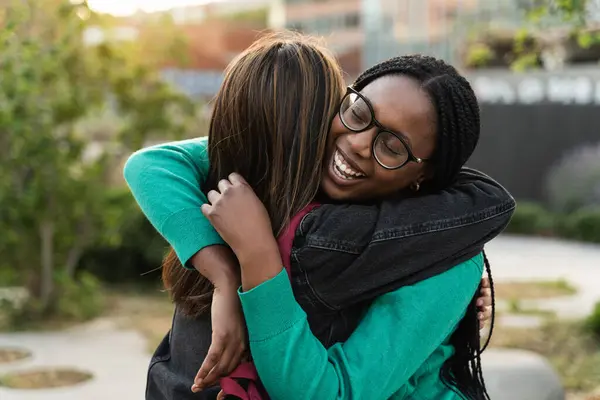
127	7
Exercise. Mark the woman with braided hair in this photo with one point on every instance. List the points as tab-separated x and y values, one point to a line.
418	253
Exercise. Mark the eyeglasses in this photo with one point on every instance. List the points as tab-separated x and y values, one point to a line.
389	148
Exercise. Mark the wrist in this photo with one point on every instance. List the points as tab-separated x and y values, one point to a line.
267	249
218	264
260	266
226	279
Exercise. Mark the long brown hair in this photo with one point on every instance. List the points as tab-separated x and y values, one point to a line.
270	123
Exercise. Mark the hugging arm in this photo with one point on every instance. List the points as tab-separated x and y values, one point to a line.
399	333
429	234
166	181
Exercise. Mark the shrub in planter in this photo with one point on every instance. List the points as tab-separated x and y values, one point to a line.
478	55
574	182
583	225
531	219
498	48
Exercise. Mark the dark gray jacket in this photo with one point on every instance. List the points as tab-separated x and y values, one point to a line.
346	255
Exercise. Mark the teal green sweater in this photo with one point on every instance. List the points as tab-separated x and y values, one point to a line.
396	351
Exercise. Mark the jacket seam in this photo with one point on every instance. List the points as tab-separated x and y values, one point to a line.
413	230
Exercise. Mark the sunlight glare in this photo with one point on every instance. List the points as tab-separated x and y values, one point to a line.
128	7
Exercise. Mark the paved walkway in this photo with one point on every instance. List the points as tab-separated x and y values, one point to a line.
119	361
520	258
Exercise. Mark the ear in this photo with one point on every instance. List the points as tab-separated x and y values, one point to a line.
426	173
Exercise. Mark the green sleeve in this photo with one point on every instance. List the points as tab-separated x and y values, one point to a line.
166	182
397	335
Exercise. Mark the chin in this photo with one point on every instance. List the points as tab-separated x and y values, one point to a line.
333	192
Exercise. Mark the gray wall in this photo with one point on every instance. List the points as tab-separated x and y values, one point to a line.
530	120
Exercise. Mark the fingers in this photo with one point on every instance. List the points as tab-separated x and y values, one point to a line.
220	370
236	178
485	282
213	196
236	360
221	395
223	185
484	316
213	357
206	209
485	299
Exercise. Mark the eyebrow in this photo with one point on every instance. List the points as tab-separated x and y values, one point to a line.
372	109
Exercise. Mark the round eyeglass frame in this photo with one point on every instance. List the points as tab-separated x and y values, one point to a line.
382	129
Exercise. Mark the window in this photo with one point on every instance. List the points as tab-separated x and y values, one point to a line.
352	20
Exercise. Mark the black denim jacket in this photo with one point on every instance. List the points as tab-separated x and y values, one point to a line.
344	256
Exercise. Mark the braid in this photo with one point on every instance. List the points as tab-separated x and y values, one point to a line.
458	129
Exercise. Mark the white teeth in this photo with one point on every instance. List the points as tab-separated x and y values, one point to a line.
342	169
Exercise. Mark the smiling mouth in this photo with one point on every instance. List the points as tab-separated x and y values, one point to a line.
342	168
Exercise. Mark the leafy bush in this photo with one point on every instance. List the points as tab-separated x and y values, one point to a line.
531	219
76	300
574	182
139	251
478	55
593	321
583	225
79	299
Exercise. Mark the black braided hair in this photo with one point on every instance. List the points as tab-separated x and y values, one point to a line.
458	129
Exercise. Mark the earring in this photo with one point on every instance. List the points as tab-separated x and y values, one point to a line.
415	186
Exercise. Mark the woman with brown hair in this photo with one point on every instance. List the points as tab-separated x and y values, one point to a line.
271	123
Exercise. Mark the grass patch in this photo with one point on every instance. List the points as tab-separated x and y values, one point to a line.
533	289
515	306
148	312
9	355
571	349
44	378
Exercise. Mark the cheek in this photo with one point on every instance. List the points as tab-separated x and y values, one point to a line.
388	182
337	128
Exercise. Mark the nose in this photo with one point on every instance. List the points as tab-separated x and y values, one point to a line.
361	143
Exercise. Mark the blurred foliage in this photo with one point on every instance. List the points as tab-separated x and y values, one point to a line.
58	195
479	55
534	219
258	17
537	27
531	219
592	322
497	48
574	182
572	209
583	225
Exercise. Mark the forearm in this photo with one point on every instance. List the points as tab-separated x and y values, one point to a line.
399	332
166	182
219	265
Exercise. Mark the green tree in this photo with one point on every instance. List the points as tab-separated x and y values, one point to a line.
57	195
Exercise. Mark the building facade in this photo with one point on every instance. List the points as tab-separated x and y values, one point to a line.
435	27
337	21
